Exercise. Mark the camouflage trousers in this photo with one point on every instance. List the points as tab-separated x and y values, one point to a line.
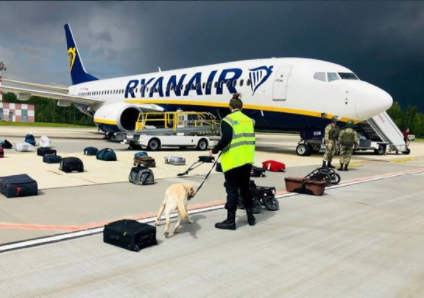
330	151
345	154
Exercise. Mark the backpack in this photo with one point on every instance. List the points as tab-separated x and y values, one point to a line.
347	139
29	138
141	176
106	154
274	166
45	141
71	164
6	144
91	151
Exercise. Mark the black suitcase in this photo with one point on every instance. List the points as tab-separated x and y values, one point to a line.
71	164
52	158
18	186
41	151
130	234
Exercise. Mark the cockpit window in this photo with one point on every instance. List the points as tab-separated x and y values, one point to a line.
320	76
332	76
348	76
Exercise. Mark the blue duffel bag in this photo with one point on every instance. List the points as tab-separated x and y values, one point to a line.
91	151
29	138
106	154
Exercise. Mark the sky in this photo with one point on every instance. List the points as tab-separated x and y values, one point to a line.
382	42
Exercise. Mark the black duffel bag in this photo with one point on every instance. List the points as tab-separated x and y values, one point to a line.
71	164
41	151
52	158
130	234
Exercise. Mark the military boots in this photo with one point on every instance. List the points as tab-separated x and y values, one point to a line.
341	168
345	168
323	164
330	165
229	223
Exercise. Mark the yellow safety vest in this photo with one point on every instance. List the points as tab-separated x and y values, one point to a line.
241	150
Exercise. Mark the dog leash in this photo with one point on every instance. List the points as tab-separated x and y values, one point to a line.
206	177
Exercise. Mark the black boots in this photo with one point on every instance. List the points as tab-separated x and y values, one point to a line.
229	223
250	218
346	167
330	165
323	164
341	168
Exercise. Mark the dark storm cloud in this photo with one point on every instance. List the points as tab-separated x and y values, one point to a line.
380	41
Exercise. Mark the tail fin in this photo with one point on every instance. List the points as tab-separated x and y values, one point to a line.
78	73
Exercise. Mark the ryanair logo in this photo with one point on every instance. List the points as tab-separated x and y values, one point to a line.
71	57
258	76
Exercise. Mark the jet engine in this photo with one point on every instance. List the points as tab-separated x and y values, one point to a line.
23	96
123	115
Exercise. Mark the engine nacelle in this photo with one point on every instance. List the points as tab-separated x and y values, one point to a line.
23	96
123	115
64	103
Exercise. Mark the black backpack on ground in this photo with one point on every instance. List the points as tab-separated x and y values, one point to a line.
71	164
52	158
90	151
41	151
130	234
141	176
18	186
6	144
106	154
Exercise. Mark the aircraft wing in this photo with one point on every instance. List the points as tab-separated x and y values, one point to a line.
27	93
47	87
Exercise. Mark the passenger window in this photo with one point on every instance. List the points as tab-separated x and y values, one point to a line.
320	76
216	84
203	85
221	84
248	82
234	83
209	85
332	76
241	83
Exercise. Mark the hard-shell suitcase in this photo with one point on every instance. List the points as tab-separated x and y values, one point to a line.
41	151
1	152
106	154
141	176
52	158
18	186
91	151
130	234
175	160
24	147
305	186
71	164
145	161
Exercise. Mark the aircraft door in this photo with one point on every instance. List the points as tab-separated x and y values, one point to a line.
279	92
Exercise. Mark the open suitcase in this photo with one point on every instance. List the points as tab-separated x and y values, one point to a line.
18	186
130	234
305	186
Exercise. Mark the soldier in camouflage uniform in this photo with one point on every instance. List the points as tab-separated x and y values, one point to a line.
348	140
331	135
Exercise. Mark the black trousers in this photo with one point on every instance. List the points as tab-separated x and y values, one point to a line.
236	180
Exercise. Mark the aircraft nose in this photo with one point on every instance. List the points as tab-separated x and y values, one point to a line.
372	101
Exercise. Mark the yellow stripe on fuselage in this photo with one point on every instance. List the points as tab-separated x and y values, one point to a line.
245	106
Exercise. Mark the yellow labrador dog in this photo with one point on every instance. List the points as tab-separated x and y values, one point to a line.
176	197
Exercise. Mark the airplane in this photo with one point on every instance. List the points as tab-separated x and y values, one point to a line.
280	94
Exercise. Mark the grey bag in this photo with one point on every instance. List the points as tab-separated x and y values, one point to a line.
175	160
141	176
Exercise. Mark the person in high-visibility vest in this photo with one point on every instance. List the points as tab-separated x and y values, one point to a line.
237	146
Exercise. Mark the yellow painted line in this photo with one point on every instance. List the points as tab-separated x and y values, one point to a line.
225	105
403	159
97	120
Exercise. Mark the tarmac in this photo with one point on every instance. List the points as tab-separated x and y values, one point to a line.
362	238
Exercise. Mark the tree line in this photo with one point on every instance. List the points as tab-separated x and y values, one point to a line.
408	118
46	110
